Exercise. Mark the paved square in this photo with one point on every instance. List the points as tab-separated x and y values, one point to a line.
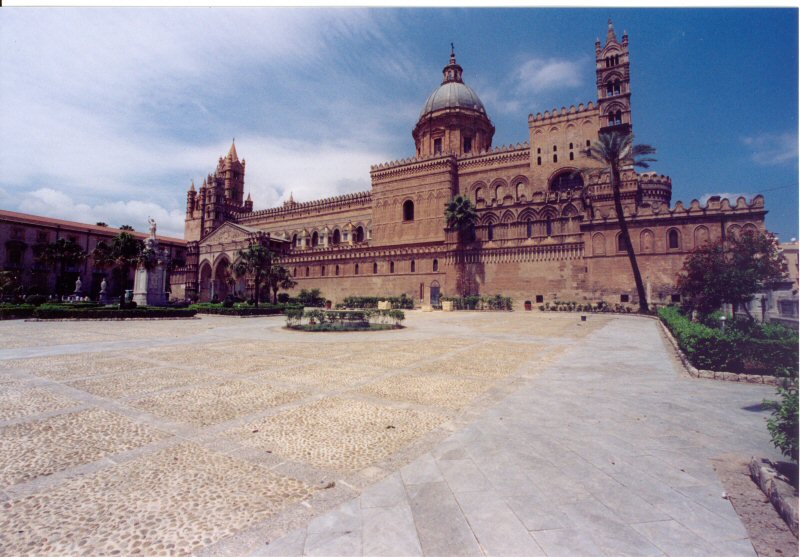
465	433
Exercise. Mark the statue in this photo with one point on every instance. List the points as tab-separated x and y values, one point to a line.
103	292
152	223
78	285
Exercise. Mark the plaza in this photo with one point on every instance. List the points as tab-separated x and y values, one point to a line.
509	433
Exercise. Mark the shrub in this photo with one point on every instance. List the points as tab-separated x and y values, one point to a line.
496	302
241	309
36	299
16	311
311	298
361	302
55	312
783	425
732	350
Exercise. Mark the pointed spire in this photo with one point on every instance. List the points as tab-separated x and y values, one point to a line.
248	196
192	186
232	153
612	36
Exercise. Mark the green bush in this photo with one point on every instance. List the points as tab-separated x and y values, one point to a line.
343	320
36	299
16	311
496	302
241	309
783	425
361	302
762	351
109	313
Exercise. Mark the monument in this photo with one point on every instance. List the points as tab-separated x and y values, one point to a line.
149	288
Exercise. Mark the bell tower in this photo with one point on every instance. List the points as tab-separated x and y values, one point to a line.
614	82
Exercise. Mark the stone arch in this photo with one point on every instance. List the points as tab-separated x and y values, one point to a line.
222	278
598	244
499	189
520	185
489	218
563	179
204	278
647	241
750	228
408	210
569	210
527	214
701	236
548	211
314	239
508	217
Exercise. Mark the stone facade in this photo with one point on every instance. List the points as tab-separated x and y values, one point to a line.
546	229
22	235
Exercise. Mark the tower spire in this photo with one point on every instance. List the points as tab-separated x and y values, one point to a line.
452	71
612	36
232	152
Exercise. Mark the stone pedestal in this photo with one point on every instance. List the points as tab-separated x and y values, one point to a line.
149	284
447	305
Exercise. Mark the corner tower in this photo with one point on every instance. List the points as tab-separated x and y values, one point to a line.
453	119
614	82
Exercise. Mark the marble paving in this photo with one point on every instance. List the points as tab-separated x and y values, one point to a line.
462	434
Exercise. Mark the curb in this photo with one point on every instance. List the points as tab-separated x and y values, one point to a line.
718	375
778	491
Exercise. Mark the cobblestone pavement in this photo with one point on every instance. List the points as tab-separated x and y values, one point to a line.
465	433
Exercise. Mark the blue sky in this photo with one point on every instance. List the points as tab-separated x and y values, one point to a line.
107	114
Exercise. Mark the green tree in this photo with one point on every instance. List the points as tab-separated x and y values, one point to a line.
101	223
60	254
280	278
122	254
255	262
9	284
731	271
614	151
127	228
461	216
783	425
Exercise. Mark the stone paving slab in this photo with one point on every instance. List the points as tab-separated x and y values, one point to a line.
461	434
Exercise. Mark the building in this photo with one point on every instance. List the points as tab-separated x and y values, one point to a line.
22	236
545	231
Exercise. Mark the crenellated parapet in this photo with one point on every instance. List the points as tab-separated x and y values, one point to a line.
346	201
506	154
716	206
412	166
655	188
556	117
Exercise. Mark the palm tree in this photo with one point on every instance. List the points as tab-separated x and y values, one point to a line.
280	278
460	215
256	261
615	150
123	253
60	254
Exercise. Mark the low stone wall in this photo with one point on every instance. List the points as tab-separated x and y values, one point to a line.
718	375
780	492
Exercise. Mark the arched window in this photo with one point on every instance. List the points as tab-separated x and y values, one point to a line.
391	266
621	243
413	266
529	229
673	239
490	232
294	271
549	226
566	180
308	271
295	243
375	268
538	150
337	271
571	156
435	265
322	271
408	210
358	235
337	237
555	148
539	161
588	143
356	269
555	158
571	146
314	239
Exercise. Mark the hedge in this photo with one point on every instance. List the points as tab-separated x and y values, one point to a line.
110	313
496	302
242	310
16	311
718	350
367	302
343	320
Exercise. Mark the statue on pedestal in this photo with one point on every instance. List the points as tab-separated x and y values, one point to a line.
103	292
78	286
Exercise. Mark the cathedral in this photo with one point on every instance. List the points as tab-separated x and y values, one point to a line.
546	228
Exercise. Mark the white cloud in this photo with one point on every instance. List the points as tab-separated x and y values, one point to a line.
540	74
772	148
57	204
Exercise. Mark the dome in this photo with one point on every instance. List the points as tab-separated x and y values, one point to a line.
452	94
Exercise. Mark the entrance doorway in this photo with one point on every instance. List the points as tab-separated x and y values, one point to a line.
435	292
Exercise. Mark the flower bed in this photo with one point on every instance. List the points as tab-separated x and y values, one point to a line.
343	320
765	350
371	302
